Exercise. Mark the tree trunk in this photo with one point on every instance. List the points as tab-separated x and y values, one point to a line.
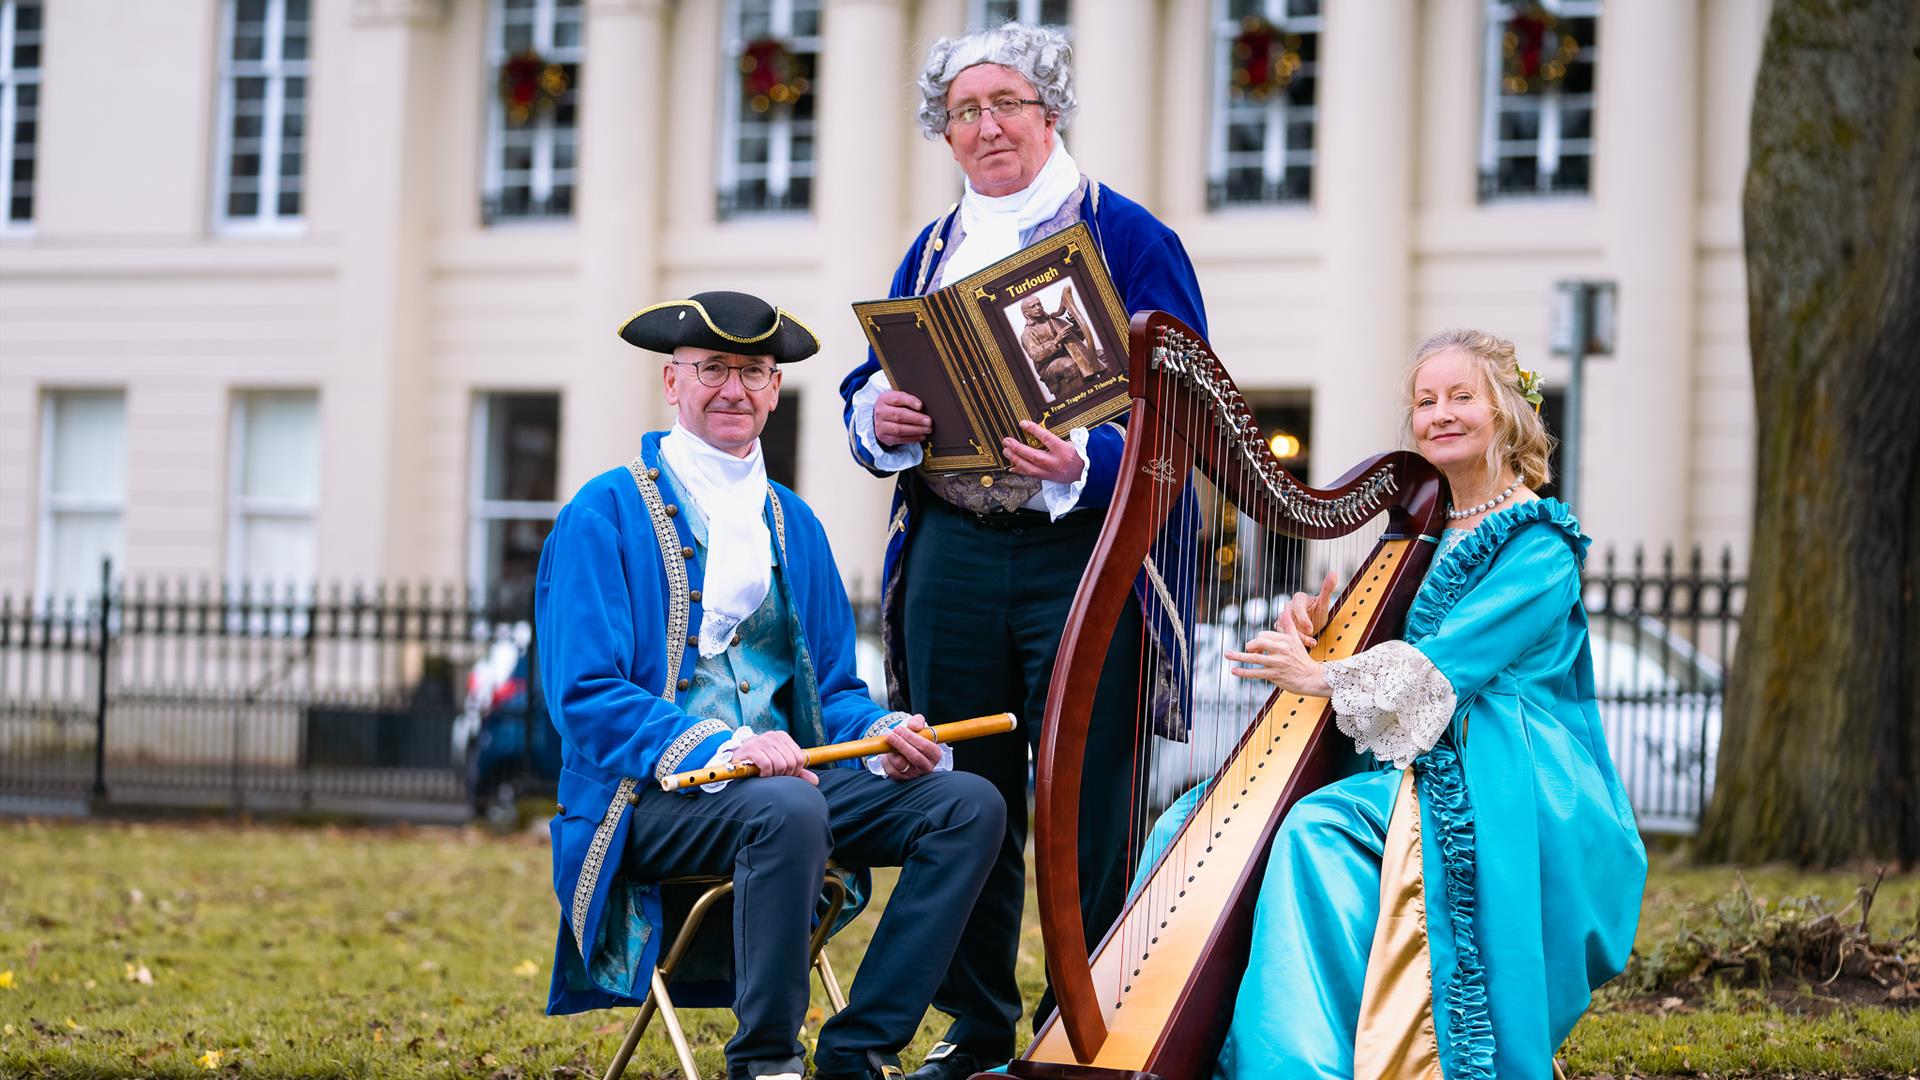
1820	754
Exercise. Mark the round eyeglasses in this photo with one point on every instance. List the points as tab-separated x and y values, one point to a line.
715	373
1003	109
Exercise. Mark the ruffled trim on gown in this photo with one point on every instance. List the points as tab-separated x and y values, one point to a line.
1443	780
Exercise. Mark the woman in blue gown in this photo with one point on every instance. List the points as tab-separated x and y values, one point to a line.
1449	914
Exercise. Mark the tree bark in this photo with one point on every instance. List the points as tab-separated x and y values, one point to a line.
1820	752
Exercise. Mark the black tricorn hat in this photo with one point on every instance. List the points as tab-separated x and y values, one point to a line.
728	322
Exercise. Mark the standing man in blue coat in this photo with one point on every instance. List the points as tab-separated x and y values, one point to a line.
981	570
690	614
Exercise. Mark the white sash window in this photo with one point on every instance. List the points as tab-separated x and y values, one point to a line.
1262	146
261	135
533	149
20	22
83	491
767	142
1538	140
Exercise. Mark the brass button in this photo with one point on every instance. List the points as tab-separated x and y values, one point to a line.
685	683
986	481
735	641
693	641
653	474
938	243
633	798
694	596
559	808
744	688
686	553
672	510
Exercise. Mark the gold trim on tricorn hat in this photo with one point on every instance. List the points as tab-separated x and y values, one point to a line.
728	322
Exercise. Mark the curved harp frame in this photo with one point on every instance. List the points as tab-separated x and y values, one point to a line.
1177	980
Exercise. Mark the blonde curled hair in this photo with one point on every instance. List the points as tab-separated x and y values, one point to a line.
1520	439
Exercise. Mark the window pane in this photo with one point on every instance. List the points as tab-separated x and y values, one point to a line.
512	552
280	457
1053	12
77	545
523	447
276	550
90	444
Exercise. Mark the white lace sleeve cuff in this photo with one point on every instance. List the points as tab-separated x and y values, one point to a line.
1061	498
1391	701
899	457
723	757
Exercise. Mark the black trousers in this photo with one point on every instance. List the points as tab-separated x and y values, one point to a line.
984	608
774	834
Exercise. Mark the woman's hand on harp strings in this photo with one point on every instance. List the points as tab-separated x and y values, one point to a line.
775	753
913	754
1280	657
1307	614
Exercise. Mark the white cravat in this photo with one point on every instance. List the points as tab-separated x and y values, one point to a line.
732	493
994	224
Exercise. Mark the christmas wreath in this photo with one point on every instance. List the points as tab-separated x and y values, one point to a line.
1265	59
770	74
529	84
1534	52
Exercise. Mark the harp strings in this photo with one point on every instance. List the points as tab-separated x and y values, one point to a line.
1237	570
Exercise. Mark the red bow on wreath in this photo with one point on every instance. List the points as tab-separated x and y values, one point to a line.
770	74
1264	59
1534	53
529	84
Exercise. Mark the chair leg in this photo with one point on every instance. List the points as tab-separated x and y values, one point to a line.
832	985
674	1034
638	1028
1558	1073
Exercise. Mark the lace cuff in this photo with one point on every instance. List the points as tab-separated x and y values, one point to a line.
888	723
889	460
723	757
1391	701
1062	498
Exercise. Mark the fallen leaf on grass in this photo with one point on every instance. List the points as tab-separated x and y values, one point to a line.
208	1060
139	974
6	979
72	1026
526	969
608	1029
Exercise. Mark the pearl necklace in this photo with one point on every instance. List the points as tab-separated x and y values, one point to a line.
1456	515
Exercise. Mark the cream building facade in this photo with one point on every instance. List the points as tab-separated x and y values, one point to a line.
285	294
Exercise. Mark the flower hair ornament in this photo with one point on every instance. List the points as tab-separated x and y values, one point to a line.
1528	384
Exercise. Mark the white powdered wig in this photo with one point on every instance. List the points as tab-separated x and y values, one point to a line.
1040	54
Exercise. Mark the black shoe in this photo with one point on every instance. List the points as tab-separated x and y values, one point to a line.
880	1068
949	1062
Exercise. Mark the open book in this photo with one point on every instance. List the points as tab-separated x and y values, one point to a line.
1040	335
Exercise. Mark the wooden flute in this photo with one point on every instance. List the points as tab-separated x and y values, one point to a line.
824	755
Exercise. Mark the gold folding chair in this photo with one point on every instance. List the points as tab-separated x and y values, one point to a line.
832	890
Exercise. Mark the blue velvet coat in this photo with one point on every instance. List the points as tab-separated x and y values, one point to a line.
1150	269
615	606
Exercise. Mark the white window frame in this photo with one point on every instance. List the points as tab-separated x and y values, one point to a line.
1025	11
53	503
241	507
544	130
1276	155
1552	103
276	70
483	512
11	79
781	169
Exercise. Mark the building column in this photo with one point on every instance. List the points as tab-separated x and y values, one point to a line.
1116	73
372	436
623	120
866	109
1638	415
1363	187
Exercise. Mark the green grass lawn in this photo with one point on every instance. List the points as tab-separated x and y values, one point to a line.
193	950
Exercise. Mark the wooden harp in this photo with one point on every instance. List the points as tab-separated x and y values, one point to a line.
1153	998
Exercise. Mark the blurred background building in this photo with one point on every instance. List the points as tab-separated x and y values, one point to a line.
305	290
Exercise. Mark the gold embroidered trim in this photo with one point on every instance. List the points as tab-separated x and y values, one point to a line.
886	723
779	521
597	857
899	521
679	606
780	315
683	744
1173	611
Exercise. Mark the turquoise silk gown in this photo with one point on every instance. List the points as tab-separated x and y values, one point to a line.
1449	914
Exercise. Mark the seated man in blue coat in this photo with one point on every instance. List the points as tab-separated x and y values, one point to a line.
690	614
